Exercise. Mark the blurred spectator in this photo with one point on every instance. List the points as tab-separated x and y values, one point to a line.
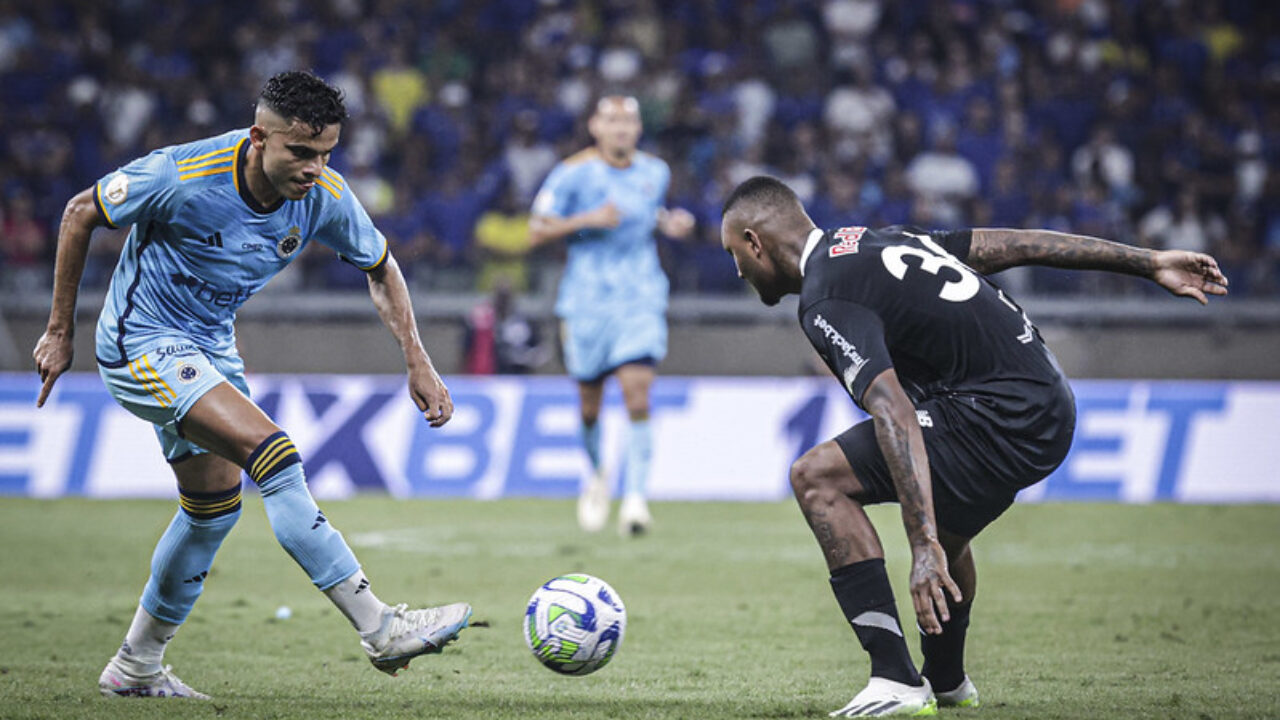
24	243
502	241
375	193
528	158
1182	226
859	115
400	89
501	340
942	177
1103	160
791	40
918	104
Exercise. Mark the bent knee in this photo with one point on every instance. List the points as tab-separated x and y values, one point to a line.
823	474
810	478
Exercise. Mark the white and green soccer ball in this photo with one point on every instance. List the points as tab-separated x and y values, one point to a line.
574	624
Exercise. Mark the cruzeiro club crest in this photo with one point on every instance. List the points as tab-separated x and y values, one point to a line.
188	373
290	243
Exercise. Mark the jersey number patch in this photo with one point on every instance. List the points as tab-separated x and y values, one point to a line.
933	258
849	238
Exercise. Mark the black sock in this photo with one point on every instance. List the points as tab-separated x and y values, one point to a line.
863	591
944	654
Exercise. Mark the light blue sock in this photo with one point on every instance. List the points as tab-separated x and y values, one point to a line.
591	443
639	452
303	531
183	556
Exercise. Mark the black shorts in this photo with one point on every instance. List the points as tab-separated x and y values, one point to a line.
984	445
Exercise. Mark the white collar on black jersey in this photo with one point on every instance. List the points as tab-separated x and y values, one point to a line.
809	244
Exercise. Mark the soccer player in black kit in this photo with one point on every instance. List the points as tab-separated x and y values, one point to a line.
967	407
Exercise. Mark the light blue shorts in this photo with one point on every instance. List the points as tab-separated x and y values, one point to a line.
165	377
595	346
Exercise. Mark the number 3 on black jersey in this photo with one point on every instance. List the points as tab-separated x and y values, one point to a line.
932	260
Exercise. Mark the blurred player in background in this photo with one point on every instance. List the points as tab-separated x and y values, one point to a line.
213	221
967	407
606	202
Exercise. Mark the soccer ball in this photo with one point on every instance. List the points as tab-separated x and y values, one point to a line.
574	624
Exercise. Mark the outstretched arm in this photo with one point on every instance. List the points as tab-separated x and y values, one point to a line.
545	228
902	444
391	297
53	352
1180	272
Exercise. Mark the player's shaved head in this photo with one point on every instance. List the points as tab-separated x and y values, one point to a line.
763	228
761	195
764	204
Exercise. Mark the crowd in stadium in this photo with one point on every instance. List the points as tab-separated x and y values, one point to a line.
1153	122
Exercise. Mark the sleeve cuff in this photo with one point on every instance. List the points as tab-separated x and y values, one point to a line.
102	209
386	246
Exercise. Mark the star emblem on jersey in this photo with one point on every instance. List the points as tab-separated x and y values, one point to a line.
117	190
290	243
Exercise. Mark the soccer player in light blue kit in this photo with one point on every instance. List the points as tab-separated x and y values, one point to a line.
606	201
213	221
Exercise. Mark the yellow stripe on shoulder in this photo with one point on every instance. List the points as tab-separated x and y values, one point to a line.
207	163
332	177
202	173
198	158
325	184
582	156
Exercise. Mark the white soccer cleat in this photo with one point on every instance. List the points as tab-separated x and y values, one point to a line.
964	696
633	515
116	681
593	503
882	697
405	634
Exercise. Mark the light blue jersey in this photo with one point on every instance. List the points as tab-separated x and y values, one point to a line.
609	271
201	245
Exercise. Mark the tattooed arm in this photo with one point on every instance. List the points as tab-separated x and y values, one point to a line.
1178	271
898	435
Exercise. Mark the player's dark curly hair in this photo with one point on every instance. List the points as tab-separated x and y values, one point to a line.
298	94
761	189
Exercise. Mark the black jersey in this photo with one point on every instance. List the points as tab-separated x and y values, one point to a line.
903	298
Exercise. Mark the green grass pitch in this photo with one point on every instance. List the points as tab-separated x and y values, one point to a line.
1083	611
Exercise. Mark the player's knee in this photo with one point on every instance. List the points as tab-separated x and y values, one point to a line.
813	480
272	455
807	479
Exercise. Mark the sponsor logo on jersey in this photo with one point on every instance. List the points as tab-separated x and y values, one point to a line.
188	373
846	348
849	238
179	350
290	243
202	290
117	190
923	417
